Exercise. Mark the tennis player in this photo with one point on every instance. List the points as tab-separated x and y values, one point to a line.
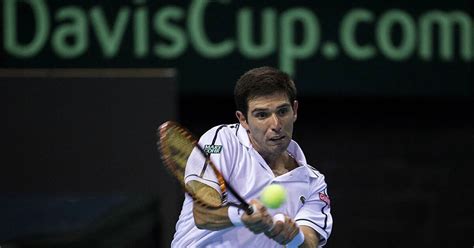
252	154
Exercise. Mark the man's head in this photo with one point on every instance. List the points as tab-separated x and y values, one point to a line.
262	81
266	108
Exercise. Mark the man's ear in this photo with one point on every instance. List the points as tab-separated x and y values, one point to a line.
295	110
243	121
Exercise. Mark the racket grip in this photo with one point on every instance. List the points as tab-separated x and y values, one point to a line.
249	210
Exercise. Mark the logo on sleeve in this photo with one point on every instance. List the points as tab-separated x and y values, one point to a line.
213	149
324	198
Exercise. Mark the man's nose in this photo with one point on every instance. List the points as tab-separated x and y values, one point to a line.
276	123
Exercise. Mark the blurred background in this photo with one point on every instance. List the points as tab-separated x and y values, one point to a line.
386	112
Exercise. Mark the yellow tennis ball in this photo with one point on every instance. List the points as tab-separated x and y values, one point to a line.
273	196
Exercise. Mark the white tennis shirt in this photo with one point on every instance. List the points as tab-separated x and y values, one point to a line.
307	201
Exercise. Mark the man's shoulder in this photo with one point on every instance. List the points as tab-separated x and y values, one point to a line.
222	131
313	172
224	128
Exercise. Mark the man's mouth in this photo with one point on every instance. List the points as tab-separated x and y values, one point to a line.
277	138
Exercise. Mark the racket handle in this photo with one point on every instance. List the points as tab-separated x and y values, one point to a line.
249	210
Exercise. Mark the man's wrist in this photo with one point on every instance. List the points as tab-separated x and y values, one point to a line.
235	215
297	240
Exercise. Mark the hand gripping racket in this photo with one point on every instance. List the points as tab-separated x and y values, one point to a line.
176	144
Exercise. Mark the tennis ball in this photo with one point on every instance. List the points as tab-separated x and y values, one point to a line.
273	196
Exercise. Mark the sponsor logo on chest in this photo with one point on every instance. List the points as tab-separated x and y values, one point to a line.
213	149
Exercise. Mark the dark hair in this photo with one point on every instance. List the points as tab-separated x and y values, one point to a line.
262	81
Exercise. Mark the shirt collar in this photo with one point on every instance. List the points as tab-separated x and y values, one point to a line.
243	136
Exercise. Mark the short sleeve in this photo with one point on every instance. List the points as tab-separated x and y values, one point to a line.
217	143
316	210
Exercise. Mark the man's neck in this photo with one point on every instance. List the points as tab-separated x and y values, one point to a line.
282	164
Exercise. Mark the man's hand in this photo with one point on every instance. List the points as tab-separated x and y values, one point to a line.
260	221
283	231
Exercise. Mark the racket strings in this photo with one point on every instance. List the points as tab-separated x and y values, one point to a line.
176	146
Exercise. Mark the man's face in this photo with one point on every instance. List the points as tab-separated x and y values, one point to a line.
269	123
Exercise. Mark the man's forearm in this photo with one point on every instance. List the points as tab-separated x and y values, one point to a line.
205	218
218	219
311	238
211	219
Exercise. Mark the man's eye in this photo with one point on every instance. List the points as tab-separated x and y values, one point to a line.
283	111
261	115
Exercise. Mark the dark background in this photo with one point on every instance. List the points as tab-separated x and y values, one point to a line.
80	166
395	139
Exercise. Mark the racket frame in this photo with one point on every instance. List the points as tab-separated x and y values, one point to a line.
162	132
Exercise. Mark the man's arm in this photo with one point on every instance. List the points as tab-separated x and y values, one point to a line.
285	232
204	218
311	237
217	219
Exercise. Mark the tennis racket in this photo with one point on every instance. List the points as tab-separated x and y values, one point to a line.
176	144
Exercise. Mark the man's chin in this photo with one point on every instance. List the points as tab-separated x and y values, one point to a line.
278	147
